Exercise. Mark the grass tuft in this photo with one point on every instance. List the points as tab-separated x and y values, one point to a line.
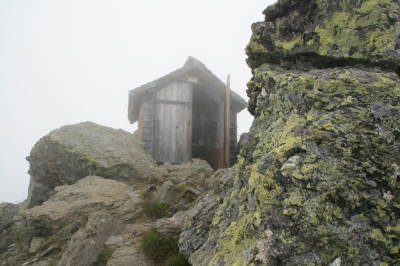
65	224
177	260
157	247
155	210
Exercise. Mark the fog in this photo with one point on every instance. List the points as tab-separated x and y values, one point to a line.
65	62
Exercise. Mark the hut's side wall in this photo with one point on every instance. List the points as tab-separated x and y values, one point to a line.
140	122
146	123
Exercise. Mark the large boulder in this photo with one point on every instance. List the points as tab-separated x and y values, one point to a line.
305	35
78	201
317	182
72	152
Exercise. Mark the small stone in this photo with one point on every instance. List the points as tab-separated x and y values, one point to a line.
36	243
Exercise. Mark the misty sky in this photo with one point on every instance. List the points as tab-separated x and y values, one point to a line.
65	62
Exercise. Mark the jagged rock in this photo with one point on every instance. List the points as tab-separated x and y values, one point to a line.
15	260
242	141
78	201
53	247
62	235
182	183
194	172
72	152
165	194
36	244
197	221
7	212
127	247
317	183
86	244
317	34
170	227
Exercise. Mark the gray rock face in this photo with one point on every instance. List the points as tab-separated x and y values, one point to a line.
86	244
72	152
62	234
166	193
181	184
194	172
197	221
193	237
78	201
170	227
130	255
7	212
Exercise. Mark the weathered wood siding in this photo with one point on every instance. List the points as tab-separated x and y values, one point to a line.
172	123
140	122
146	123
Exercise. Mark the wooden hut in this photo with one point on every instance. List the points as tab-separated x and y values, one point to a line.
187	114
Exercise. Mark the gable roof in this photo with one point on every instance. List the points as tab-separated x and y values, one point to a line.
191	65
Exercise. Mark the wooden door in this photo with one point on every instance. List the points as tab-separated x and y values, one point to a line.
172	123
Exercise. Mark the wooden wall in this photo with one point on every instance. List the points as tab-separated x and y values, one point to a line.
146	124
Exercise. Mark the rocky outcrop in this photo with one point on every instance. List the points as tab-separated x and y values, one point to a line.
78	201
198	220
73	152
97	221
7	213
317	183
81	222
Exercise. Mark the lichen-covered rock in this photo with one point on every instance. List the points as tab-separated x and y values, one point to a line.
321	33
197	221
298	34
317	183
319	177
72	152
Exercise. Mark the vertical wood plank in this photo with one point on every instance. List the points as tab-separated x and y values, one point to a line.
158	127
173	124
190	97
227	122
180	128
140	122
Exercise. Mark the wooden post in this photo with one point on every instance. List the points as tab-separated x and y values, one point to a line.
227	122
